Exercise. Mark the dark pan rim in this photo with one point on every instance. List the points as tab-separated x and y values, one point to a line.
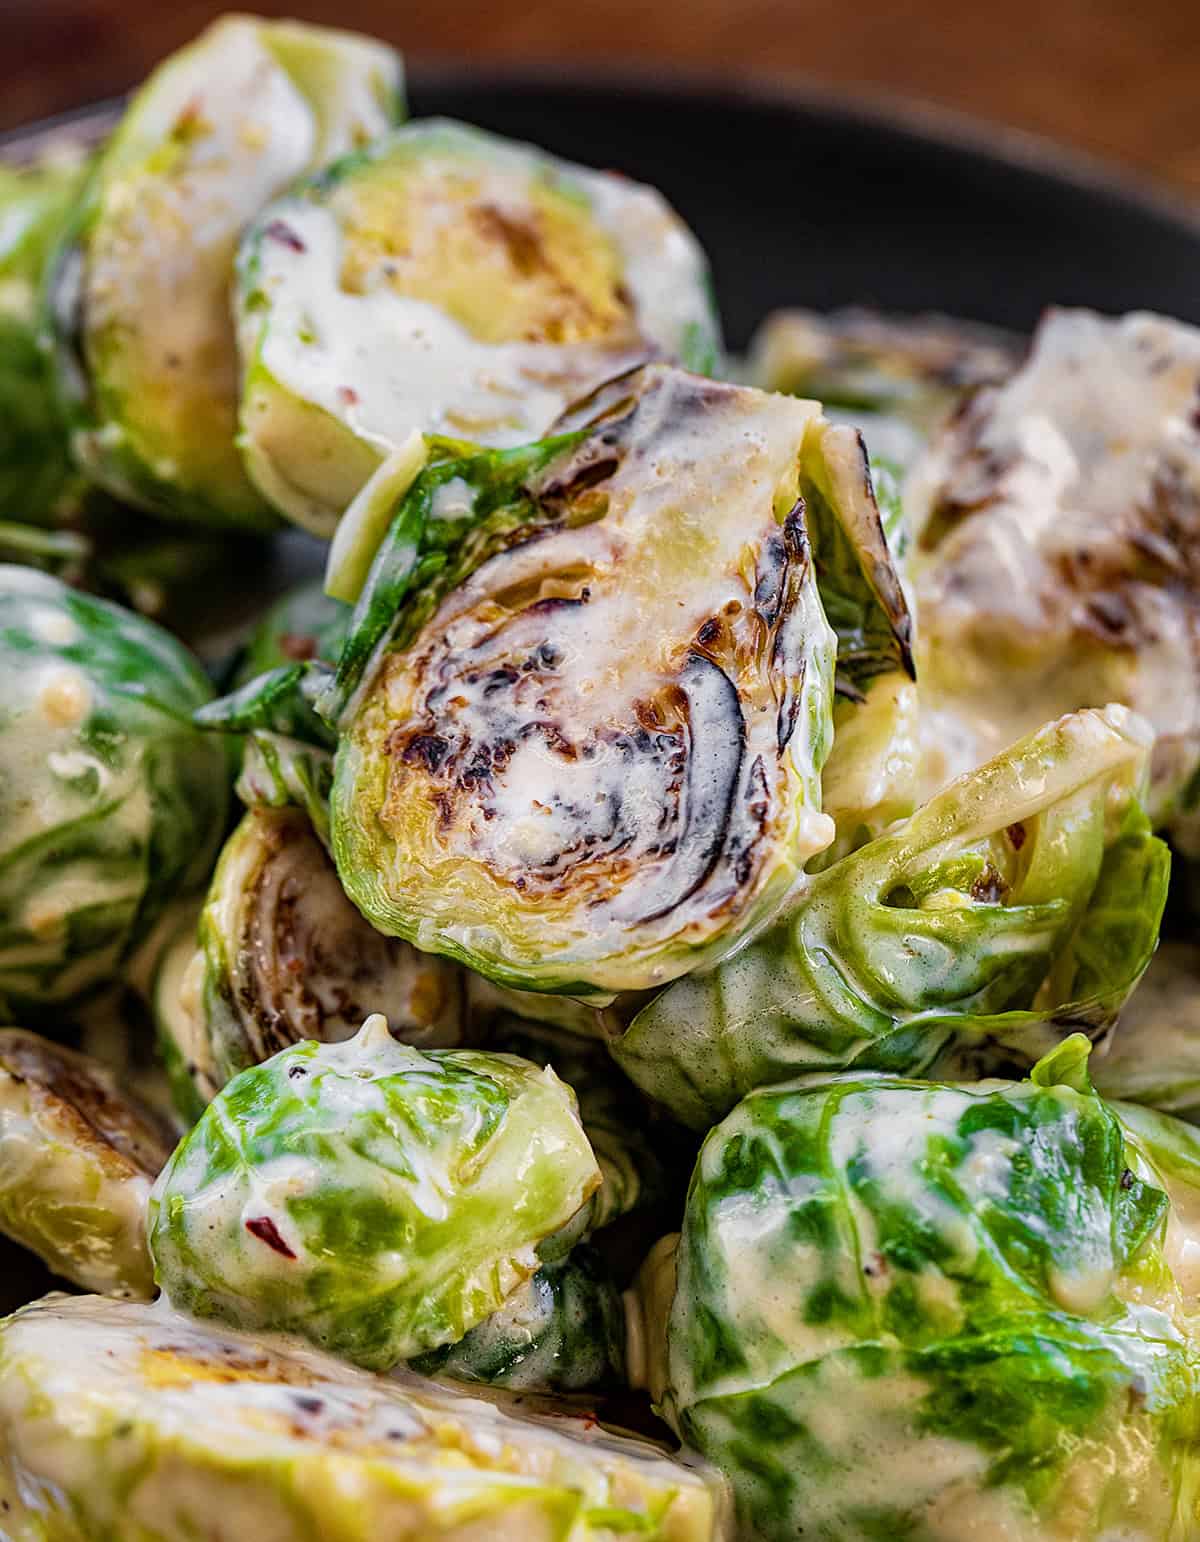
922	125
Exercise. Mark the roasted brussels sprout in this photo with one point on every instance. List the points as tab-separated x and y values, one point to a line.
1154	1054
563	1330
38	482
139	291
581	749
896	378
1021	902
77	1158
284	956
379	1200
1055	562
118	1420
929	1311
110	801
447	281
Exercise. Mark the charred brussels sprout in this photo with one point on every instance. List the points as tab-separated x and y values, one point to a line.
445	281
281	955
121	1421
580	748
1056	548
376	1199
562	1331
139	293
896	378
77	1158
929	1311
111	803
1022	901
38	482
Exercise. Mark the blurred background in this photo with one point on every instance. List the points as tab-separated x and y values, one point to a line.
1113	78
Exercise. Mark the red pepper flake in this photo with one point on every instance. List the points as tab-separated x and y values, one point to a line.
265	1229
281	231
347	395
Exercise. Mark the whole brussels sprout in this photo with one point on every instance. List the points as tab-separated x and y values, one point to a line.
928	1311
1055	558
378	1200
897	378
282	955
1153	1056
118	1420
563	1330
1019	903
111	802
139	291
38	482
446	281
77	1158
580	745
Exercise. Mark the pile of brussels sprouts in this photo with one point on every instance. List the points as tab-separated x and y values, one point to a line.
608	1012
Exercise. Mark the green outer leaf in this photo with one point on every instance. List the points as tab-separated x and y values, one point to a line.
111	803
414	1191
900	1300
562	1331
935	939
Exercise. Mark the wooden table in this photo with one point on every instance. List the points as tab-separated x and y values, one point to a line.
1111	77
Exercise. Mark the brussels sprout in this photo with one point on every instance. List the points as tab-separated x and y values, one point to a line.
1154	1055
873	774
376	1199
624	1134
77	1158
447	281
139	291
1055	562
110	801
305	624
1023	901
118	1420
287	957
562	1331
897	378
176	1001
38	482
582	744
917	1310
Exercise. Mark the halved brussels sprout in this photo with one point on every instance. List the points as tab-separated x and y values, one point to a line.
376	1199
1056	557
77	1158
176	1002
118	1420
38	482
562	1331
895	377
582	747
447	281
1154	1054
139	293
284	956
111	802
927	1311
1021	902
